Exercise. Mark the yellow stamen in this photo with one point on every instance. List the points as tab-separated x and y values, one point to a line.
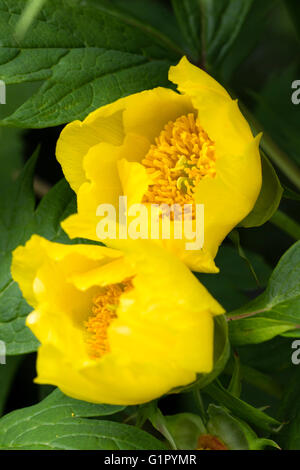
103	313
182	156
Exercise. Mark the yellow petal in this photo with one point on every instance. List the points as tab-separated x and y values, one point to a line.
110	273
25	262
218	113
78	137
113	380
81	226
185	74
134	180
103	184
184	289
162	335
143	114
231	195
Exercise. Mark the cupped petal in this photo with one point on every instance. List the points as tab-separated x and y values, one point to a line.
175	281
148	112
111	273
134	179
103	185
184	73
113	380
198	260
78	137
159	331
55	329
25	263
47	284
81	226
219	115
143	114
28	260
231	195
162	334
78	254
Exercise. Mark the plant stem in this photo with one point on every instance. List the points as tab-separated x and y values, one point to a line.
200	404
242	409
30	12
258	379
287	166
285	223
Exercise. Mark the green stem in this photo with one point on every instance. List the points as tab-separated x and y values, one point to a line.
200	404
285	223
241	409
258	379
278	156
287	166
28	15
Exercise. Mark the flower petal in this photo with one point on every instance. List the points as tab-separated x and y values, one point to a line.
78	137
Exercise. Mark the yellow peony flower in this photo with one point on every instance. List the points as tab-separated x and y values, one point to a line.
159	146
117	327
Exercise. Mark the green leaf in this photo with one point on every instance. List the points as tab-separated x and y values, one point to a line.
10	151
235	238
58	423
87	56
254	377
16	213
58	203
274	312
231	286
226	25
153	16
277	113
269	198
290	413
223	20
286	224
290	194
242	409
293	7
11	138
151	412
18	220
236	434
270	357
67	406
188	14
185	429
235	384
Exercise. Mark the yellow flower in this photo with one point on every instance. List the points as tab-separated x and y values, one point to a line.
118	327
159	146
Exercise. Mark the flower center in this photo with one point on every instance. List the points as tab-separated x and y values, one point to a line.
183	154
103	313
